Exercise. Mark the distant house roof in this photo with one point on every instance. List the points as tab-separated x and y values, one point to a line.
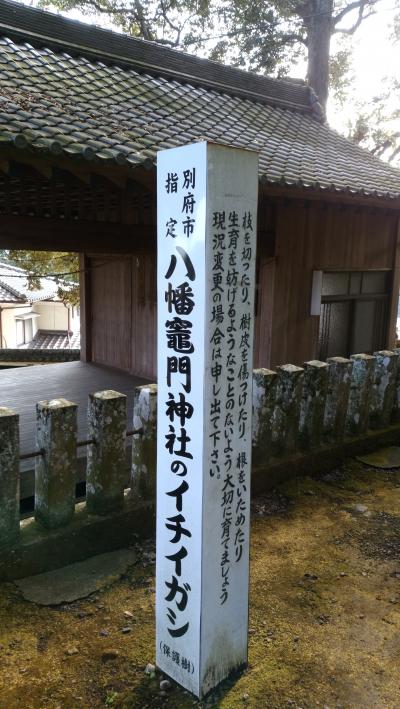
14	286
75	90
54	340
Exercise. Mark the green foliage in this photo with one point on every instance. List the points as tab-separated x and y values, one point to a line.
163	21
61	266
376	126
111	698
258	35
266	36
340	76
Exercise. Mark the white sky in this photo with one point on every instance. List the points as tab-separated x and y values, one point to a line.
375	56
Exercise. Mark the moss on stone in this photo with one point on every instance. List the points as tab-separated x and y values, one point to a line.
324	614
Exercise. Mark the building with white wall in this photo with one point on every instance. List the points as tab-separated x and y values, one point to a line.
34	318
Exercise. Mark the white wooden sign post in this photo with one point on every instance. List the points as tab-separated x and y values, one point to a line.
207	217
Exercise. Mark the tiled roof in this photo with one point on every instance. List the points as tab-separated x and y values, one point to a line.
14	286
70	89
8	296
44	29
54	340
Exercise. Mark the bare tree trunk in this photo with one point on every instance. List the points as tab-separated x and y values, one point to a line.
319	26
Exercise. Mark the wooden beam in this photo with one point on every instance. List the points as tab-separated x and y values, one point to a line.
43	170
67	177
79	174
108	181
33	169
18	232
329	197
85	288
82	169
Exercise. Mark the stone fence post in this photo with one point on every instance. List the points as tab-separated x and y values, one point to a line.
360	393
285	434
9	477
144	446
55	471
106	462
384	391
337	399
313	400
264	395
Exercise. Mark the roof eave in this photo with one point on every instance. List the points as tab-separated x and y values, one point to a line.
330	194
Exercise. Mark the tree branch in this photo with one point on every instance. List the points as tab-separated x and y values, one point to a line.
386	143
394	154
107	11
135	15
357	4
142	22
351	30
292	37
380	148
165	17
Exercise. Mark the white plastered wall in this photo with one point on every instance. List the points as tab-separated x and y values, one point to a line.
9	325
53	315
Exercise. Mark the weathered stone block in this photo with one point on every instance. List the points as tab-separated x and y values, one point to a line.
264	396
9	477
55	470
362	379
313	400
285	432
337	398
106	456
384	389
144	446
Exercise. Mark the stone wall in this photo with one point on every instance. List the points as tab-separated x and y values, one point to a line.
29	356
299	409
304	419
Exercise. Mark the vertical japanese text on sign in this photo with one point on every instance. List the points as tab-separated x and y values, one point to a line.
207	212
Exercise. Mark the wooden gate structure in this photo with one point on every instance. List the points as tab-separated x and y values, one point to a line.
83	113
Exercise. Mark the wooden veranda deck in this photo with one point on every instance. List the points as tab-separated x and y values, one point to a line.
22	388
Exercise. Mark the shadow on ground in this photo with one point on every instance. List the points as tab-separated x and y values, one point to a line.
324	614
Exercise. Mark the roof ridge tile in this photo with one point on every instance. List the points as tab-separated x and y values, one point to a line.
39	27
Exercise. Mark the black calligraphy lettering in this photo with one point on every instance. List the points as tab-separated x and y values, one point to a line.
191	273
177	558
183	439
171	224
171	183
189	179
181	409
178	493
182	591
188	226
188	203
178	468
180	365
178	335
180	299
175	525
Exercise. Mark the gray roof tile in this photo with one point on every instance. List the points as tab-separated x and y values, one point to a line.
54	340
14	286
83	104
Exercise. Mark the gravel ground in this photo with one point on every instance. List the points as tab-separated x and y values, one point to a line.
324	614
